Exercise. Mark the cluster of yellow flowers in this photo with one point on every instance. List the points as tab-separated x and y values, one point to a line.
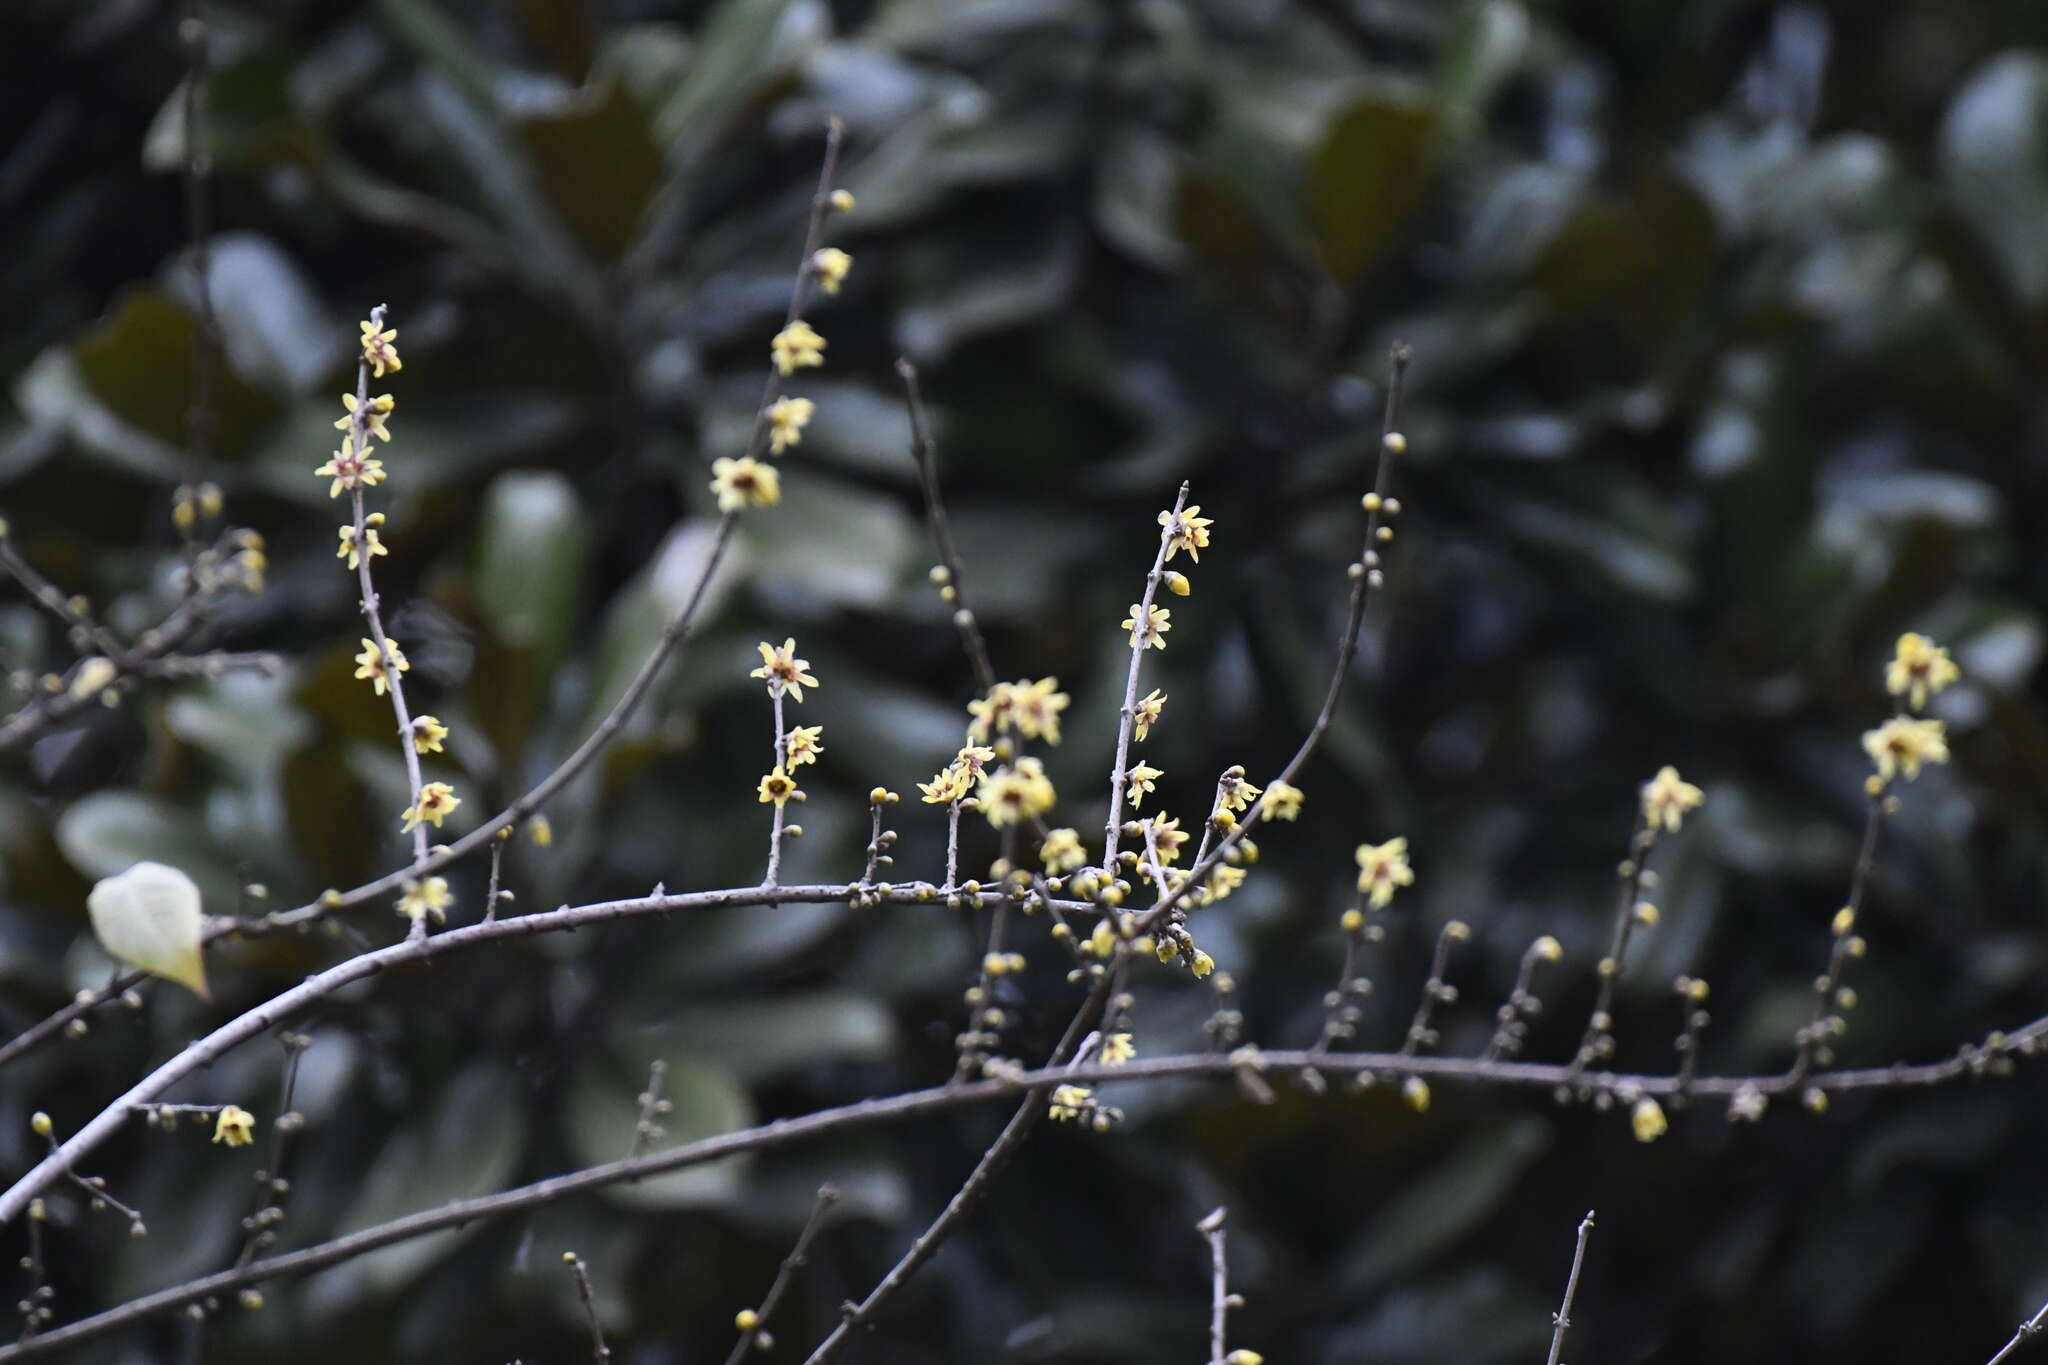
747	482
1902	745
787	675
1016	793
1032	709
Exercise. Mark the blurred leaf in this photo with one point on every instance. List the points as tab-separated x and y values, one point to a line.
733	45
244	720
327	805
1471	1315
597	162
642	610
274	328
466	1141
149	918
1437	1209
1993	152
602	1107
120	363
564	29
758	1038
1489	41
1366	180
110	831
248	115
832	542
532	547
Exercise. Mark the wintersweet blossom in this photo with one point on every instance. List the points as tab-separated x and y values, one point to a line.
1143	778
374	414
796	346
1036	707
1149	708
370	663
1282	801
787	418
1011	795
1902	744
802	745
1647	1118
1151	633
235	1126
427	734
1382	870
783	671
426	896
744	482
1185	530
374	542
1666	799
830	266
948	785
776	787
350	468
378	350
1062	851
437	800
1919	669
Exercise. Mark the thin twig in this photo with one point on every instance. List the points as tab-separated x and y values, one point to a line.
652	1107
1211	1229
1597	1043
923	452
199	419
1809	1039
785	1273
940	1099
1127	718
599	1352
1563	1316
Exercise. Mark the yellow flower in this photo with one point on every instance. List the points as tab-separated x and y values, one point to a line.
1647	1118
350	551
350	468
1149	708
1902	744
1666	799
1143	778
429	896
801	744
1224	880
1382	870
795	346
437	799
973	758
787	418
1103	941
1010	795
776	788
1201	964
842	200
1062	851
1282	801
1919	669
993	714
1069	1102
370	663
744	482
830	266
1151	634
782	670
1037	707
1547	948
1167	836
948	785
374	413
1236	794
1117	1049
427	734
1186	531
1244	1357
378	350
1415	1090
541	830
236	1126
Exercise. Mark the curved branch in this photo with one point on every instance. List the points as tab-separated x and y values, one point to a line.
941	1099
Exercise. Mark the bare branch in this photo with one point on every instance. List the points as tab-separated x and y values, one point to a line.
1563	1317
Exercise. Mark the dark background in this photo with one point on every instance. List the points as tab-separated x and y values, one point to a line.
1728	319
